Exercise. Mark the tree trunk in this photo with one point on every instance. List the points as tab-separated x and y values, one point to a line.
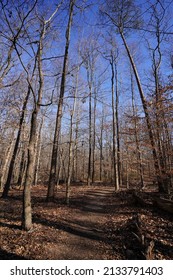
117	126
71	143
147	117
12	162
70	162
38	152
27	213
21	168
90	138
5	167
52	177
101	146
76	148
83	161
115	167
94	139
138	150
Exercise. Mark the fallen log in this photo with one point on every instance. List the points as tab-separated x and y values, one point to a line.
138	200
139	246
149	254
164	204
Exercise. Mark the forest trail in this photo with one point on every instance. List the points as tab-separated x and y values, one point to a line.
97	225
85	231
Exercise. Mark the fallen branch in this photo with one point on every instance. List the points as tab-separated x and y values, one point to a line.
141	247
164	204
138	200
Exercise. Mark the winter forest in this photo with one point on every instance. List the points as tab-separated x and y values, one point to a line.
86	129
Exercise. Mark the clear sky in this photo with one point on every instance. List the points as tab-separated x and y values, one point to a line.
87	28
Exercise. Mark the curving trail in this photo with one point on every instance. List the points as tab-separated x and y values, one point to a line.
84	231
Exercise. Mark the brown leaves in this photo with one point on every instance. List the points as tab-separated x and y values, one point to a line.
59	230
155	225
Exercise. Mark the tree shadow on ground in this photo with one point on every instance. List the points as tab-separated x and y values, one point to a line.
10	225
4	255
168	249
73	228
13	197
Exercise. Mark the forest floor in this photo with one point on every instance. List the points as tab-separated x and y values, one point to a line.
96	225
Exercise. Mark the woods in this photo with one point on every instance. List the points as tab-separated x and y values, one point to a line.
86	100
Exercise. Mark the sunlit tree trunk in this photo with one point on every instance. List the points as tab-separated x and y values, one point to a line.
115	163
70	163
27	210
147	117
5	168
38	152
117	125
138	150
90	132
13	158
94	137
101	145
53	169
23	161
21	168
75	164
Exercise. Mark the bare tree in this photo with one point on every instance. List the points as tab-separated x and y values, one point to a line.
111	55
89	56
158	24
5	69
123	15
138	150
8	156
70	163
115	159
12	161
53	169
100	142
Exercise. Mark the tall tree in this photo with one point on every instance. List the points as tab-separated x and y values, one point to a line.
53	168
89	55
124	15
12	161
138	150
70	162
5	69
111	54
158	12
114	139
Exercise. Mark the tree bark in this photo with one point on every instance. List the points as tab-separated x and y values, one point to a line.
52	177
12	161
27	210
94	138
138	150
69	172
38	153
21	168
101	146
115	165
117	126
147	117
8	155
76	172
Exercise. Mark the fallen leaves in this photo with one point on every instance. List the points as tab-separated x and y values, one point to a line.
52	223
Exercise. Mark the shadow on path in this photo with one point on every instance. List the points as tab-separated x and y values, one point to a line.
68	226
4	255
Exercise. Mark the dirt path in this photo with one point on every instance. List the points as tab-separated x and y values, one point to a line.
84	233
96	225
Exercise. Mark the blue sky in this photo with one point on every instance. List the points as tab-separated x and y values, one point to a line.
86	25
